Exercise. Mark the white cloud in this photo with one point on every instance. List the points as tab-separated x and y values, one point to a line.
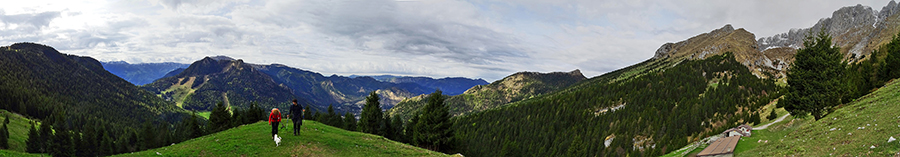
475	38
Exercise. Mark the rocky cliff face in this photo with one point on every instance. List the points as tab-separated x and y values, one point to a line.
858	30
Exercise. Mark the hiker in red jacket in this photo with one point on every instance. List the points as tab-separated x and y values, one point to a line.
274	118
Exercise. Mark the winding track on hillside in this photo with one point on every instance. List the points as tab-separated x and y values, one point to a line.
773	122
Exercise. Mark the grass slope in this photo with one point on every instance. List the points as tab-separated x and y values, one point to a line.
316	139
18	130
876	112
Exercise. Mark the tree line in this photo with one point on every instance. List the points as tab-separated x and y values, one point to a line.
97	139
819	80
430	128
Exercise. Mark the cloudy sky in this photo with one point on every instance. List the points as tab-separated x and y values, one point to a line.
437	38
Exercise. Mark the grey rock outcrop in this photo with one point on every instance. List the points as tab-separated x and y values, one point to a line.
849	26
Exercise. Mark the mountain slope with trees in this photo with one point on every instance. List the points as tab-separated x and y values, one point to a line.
345	93
233	82
516	87
38	81
649	115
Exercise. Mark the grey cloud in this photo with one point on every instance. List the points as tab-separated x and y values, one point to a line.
384	24
36	20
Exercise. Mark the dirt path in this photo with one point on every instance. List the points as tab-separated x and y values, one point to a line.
773	122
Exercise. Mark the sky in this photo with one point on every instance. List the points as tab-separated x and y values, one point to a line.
436	38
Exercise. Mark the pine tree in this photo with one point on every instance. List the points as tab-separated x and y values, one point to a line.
814	78
370	120
307	114
255	113
4	137
892	61
349	121
219	119
32	144
62	144
387	130
329	118
436	131
46	133
754	118
397	125
772	115
148	136
237	117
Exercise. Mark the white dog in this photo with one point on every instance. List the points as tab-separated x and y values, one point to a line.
277	140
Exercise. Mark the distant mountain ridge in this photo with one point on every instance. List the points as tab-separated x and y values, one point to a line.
141	73
512	88
447	85
345	93
233	82
229	80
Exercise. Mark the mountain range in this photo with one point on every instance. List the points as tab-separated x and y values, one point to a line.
213	79
141	73
447	85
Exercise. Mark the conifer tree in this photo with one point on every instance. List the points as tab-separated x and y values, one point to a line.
370	120
349	121
434	129
46	133
62	144
219	119
148	136
32	144
814	78
772	115
308	114
397	125
387	130
4	136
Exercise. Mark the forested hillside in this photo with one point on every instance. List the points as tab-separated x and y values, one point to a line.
345	93
515	87
649	115
233	82
38	81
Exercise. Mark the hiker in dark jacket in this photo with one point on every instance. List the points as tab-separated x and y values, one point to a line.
296	116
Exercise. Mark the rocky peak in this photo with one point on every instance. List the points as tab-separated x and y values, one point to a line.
845	25
576	73
890	9
722	31
707	43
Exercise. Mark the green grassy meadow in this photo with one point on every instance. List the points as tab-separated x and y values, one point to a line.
18	130
316	139
860	128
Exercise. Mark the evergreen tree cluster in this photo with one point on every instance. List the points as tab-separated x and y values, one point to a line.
819	80
433	132
864	76
222	118
57	138
649	115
